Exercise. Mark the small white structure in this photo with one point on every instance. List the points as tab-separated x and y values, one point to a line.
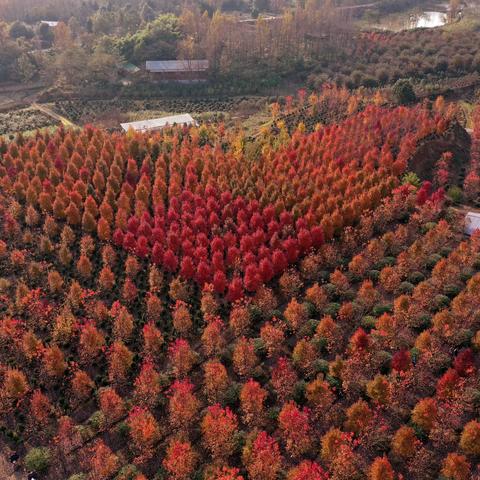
50	23
472	222
159	123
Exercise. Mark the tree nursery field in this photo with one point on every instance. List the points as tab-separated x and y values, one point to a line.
199	304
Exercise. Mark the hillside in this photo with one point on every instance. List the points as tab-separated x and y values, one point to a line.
197	304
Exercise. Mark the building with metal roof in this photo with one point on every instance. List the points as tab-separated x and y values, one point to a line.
178	70
472	222
156	124
177	66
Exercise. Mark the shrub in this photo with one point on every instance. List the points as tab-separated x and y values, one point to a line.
38	459
456	467
403	92
470	438
455	194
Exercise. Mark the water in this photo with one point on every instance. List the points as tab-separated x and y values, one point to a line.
428	20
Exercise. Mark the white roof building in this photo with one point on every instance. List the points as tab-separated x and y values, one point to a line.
50	23
177	66
472	222
159	123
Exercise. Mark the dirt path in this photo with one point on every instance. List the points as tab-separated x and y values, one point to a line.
358	7
6	469
18	96
47	111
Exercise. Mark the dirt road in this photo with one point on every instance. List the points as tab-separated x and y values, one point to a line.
17	96
56	116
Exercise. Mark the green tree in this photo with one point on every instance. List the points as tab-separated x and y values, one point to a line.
103	22
157	40
71	66
412	179
45	33
19	30
147	14
25	68
9	53
38	459
403	92
103	66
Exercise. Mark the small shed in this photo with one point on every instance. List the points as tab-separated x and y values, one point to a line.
128	68
159	123
472	222
179	70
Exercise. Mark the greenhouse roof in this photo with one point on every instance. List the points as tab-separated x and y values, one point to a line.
159	123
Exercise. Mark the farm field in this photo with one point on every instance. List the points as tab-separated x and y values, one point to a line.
23	120
110	113
189	304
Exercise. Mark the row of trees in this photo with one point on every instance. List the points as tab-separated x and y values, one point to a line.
309	395
210	215
169	305
150	33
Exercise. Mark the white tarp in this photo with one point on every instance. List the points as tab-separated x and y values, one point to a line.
159	123
472	222
50	23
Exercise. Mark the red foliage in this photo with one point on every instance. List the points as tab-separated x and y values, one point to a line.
359	341
224	473
464	363
104	463
252	398
381	470
448	385
40	407
296	429
147	385
181	356
307	470
144	431
401	361
183	404
180	460
219	427
283	378
111	404
262	458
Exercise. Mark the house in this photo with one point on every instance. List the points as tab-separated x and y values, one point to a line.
179	70
159	123
472	222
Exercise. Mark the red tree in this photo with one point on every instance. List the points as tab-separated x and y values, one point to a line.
296	430
252	399
307	470
183	404
262	458
180	460
219	427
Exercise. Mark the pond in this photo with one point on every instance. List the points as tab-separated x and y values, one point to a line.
436	14
428	20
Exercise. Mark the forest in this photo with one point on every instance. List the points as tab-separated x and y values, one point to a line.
309	43
285	289
195	304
